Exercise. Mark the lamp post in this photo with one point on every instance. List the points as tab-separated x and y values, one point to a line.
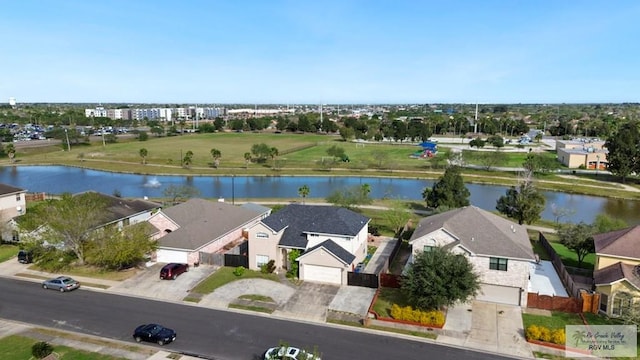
597	164
66	134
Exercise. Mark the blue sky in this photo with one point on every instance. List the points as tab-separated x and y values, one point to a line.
336	52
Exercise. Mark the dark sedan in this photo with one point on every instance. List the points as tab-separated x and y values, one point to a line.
154	333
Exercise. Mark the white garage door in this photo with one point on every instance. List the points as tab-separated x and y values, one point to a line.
323	274
499	294
169	256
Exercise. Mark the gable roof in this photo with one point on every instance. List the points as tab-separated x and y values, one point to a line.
624	243
333	248
121	208
299	220
616	272
8	190
201	221
481	232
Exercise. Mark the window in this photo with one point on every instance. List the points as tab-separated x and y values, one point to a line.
498	264
262	235
621	302
603	302
427	248
18	197
261	260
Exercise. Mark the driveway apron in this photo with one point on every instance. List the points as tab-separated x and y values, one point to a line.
310	302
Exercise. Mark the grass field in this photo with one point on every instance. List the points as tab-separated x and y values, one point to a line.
8	251
19	347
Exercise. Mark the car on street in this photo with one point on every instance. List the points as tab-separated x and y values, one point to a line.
25	257
289	353
172	270
154	333
61	283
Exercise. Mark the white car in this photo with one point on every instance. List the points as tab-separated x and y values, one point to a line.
288	353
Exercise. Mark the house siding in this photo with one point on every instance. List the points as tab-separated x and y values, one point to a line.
356	245
609	290
323	258
602	261
517	274
264	246
437	238
9	205
162	222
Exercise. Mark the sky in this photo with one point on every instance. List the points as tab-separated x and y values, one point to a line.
313	52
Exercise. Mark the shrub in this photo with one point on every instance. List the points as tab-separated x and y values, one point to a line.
433	317
269	267
545	334
541	333
532	332
239	271
41	349
559	337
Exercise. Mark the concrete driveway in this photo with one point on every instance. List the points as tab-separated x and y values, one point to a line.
222	296
487	326
310	302
148	284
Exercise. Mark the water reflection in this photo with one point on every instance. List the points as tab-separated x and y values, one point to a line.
60	179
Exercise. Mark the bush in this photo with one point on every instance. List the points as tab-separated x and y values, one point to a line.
545	334
239	271
532	332
269	267
407	313
541	333
41	349
558	336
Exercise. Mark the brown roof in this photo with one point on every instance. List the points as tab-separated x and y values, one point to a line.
202	221
617	272
481	232
624	243
8	189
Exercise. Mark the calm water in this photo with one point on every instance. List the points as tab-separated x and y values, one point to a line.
60	179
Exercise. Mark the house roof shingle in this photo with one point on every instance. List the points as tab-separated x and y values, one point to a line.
300	220
481	232
201	221
121	208
8	189
624	243
616	272
337	250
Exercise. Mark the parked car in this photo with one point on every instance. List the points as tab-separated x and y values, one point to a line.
61	283
288	353
25	257
172	270
154	333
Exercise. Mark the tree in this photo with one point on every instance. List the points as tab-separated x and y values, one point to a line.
182	193
397	216
10	149
438	278
449	191
579	238
336	152
72	220
143	136
630	314
477	142
303	191
496	140
538	163
121	249
524	203
261	151
247	159
273	154
538	137
604	223
143	154
490	159
188	159
350	197
216	154
624	151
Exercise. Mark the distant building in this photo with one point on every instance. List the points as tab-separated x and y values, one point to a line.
589	154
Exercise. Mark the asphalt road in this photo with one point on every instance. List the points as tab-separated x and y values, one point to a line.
209	333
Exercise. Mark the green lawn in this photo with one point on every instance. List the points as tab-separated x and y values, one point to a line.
569	257
386	298
225	275
19	347
8	251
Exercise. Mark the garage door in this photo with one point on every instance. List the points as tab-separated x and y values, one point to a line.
168	256
323	274
499	294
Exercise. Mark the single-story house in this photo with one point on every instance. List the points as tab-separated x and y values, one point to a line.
616	273
330	240
499	249
200	226
590	155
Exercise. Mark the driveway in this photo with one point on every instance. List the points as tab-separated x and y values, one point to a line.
310	302
222	296
148	284
487	326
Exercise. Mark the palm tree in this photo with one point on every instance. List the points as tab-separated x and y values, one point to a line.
304	192
273	153
216	157
143	155
247	159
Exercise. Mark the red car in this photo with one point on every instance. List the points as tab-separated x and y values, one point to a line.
172	270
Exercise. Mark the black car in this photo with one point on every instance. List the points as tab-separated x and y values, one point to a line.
25	257
172	270
154	333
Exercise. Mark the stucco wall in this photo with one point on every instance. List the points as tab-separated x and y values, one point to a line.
263	246
9	205
437	238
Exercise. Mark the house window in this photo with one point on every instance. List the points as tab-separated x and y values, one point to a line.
621	302
18	197
604	299
498	264
427	248
262	235
261	260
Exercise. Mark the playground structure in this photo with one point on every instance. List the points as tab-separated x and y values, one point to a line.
429	149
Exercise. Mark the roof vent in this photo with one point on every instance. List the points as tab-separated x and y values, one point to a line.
473	239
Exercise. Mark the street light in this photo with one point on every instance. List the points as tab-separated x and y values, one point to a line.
66	134
597	164
233	189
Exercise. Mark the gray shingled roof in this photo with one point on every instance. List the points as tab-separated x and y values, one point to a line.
481	232
625	242
121	208
8	189
202	221
302	219
337	250
616	272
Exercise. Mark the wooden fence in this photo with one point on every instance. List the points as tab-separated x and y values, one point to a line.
572	287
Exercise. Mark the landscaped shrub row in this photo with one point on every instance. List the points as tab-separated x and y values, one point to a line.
407	313
541	333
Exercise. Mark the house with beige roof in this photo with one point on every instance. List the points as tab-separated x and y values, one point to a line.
617	270
188	230
499	249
